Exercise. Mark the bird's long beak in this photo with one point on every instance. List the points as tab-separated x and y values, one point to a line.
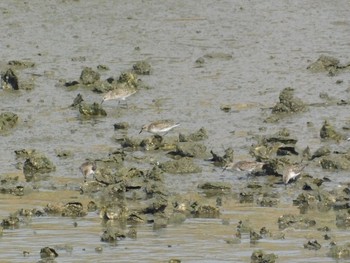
141	131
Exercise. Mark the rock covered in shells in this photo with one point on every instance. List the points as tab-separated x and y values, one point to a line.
142	68
339	251
260	256
328	132
312	245
287	104
89	110
190	149
221	161
9	80
8	120
37	163
48	253
71	209
199	135
181	166
296	221
328	64
89	76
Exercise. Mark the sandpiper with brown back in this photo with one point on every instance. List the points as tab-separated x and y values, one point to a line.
120	93
248	166
88	168
157	127
290	172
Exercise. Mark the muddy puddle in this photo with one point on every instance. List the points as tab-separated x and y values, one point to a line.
246	80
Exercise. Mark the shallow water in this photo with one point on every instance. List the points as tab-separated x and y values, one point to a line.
271	45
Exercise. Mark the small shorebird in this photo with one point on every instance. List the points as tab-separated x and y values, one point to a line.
163	126
87	168
248	166
120	93
292	171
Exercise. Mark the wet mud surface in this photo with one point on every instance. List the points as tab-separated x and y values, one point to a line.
248	81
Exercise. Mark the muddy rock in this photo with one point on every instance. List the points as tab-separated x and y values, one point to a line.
322	151
8	179
73	84
153	188
112	235
343	220
155	174
221	161
142	68
71	209
89	110
323	63
48	253
10	222
254	236
8	120
118	212
215	186
156	204
91	187
25	153
113	192
328	132
312	245
9	80
64	154
199	135
89	76
136	218
129	78
128	143
339	205
307	200
115	159
267	201
260	256
296	221
190	149
288	103
271	146
200	62
336	162
105	177
133	178
181	166
102	67
206	211
14	190
121	126
77	101
37	164
246	197
327	64
265	233
282	136
226	108
21	64
339	251
152	143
